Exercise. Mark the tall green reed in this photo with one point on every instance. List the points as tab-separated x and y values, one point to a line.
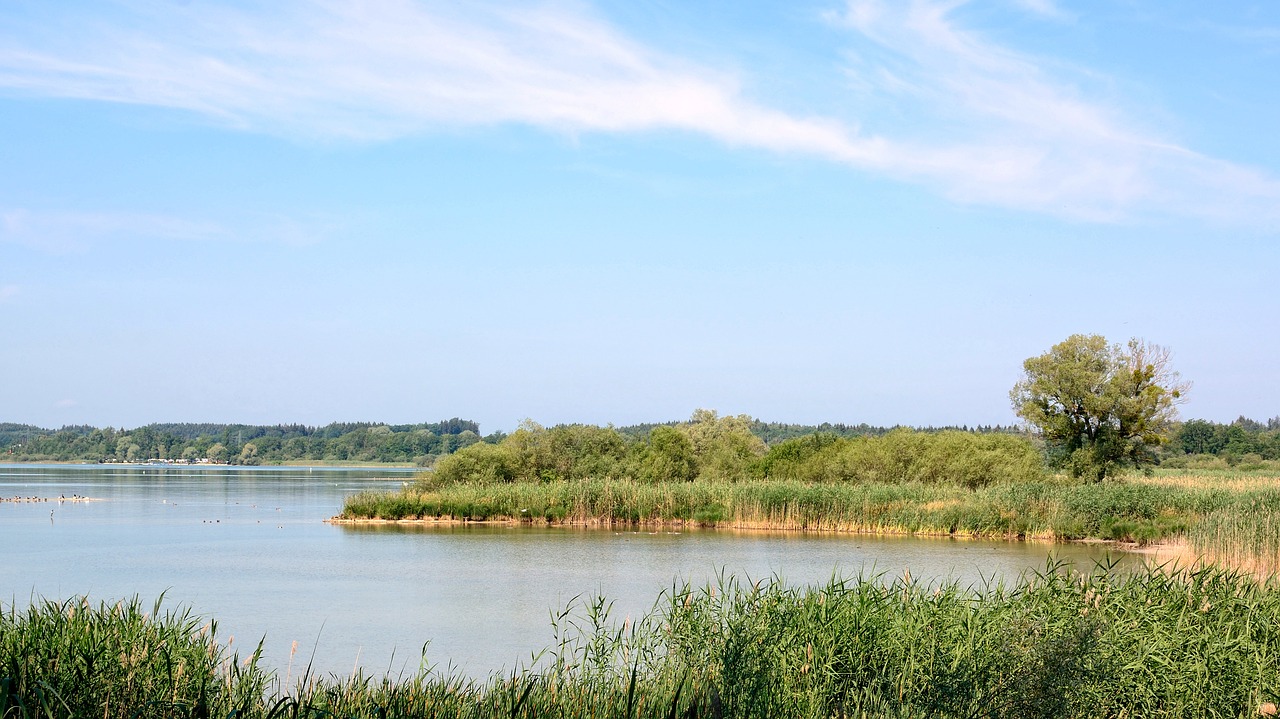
118	660
1100	643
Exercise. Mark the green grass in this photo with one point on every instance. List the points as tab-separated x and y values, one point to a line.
1052	644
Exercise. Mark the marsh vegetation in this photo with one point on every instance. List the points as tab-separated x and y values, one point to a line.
1055	643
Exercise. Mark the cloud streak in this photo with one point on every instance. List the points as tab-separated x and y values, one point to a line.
992	126
1011	133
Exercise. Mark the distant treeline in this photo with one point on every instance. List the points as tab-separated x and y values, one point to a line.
241	443
1241	440
249	444
1244	440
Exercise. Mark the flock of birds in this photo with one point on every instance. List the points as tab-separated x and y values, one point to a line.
60	498
77	498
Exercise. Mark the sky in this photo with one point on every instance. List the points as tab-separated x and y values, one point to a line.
308	211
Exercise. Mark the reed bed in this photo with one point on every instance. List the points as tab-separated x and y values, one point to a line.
1055	643
1233	479
1245	534
1049	509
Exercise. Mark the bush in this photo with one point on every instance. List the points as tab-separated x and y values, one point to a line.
951	457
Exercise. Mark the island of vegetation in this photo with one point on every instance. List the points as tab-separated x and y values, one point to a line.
1095	413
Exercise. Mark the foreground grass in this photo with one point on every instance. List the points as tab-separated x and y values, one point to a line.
1054	644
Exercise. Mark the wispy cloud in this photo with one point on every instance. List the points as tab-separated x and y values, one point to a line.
8	292
1047	8
383	69
994	125
69	231
1004	129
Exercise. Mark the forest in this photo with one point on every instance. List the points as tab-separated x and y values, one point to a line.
1192	443
362	442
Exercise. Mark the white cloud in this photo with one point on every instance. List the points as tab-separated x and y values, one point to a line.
8	292
383	69
1047	8
992	126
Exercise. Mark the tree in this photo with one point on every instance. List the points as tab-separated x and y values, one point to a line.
219	454
668	457
1099	407
249	454
1200	437
723	447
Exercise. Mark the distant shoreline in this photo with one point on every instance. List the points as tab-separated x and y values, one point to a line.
319	463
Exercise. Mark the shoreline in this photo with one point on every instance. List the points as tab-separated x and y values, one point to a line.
1178	546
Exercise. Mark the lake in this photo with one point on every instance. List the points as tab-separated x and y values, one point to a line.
249	548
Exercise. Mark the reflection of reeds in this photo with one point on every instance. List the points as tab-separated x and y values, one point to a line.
1172	643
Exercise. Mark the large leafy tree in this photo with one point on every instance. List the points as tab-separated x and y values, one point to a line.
1101	408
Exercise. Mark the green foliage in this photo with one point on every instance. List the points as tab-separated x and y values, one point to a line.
1099	407
668	457
724	449
949	457
535	454
798	458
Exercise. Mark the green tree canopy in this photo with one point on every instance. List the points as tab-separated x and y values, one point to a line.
723	447
1100	407
668	456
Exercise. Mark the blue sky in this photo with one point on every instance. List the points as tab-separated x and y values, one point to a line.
309	211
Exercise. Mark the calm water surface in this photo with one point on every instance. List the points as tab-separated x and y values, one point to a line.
249	547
